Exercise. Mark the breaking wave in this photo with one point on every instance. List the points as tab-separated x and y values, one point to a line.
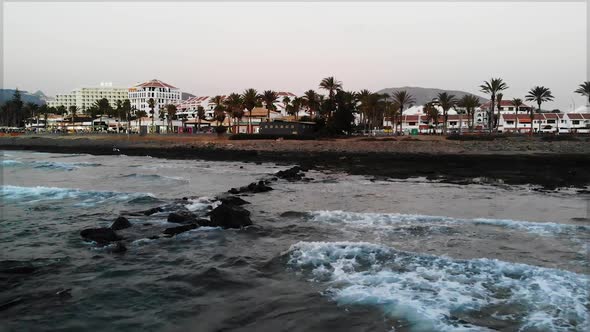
29	195
11	163
385	221
156	177
431	293
61	165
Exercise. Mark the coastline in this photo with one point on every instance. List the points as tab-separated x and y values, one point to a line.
532	161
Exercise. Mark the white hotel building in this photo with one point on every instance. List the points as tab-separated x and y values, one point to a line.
85	97
162	93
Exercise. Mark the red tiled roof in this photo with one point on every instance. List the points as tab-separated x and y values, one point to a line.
155	84
575	116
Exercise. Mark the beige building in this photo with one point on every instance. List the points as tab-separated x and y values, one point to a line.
85	97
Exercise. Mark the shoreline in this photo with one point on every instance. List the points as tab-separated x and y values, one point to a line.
563	164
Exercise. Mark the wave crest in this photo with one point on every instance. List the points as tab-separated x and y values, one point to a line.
443	294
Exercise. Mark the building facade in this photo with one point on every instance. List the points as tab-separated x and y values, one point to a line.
162	93
85	97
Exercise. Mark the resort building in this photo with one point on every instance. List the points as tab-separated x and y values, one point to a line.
546	123
85	97
162	93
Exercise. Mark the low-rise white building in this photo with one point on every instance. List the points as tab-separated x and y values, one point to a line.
162	93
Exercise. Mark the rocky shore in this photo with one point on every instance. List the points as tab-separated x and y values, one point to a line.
519	160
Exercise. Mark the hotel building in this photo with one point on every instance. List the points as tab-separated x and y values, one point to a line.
85	97
162	93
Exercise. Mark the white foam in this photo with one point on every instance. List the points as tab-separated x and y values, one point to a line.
429	290
9	162
387	220
198	204
29	195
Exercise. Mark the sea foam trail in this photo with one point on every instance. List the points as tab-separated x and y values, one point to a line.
387	220
442	294
28	195
54	165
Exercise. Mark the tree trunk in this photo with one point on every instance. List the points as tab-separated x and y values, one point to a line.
516	119
401	120
491	113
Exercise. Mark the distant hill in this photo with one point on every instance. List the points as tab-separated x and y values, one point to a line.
37	98
186	95
425	95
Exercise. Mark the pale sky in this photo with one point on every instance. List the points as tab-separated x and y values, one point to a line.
218	48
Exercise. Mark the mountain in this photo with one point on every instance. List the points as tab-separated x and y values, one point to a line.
186	95
37	97
425	95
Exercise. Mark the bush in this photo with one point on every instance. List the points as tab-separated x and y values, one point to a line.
220	130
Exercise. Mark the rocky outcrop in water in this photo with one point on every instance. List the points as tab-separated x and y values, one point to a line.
295	173
229	216
120	223
102	235
254	187
182	217
180	229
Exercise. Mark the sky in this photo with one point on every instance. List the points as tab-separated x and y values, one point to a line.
218	48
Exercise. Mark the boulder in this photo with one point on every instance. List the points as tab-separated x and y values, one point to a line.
232	200
153	211
100	235
180	229
182	217
292	174
229	216
120	223
254	187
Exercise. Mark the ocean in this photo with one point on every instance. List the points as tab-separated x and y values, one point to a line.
333	253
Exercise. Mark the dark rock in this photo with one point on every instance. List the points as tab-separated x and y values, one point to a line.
234	191
180	229
254	187
229	216
154	237
294	214
120	223
233	200
119	248
100	235
292	174
153	211
181	217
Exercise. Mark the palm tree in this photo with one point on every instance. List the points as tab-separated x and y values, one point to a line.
250	99
140	114
363	97
269	98
538	94
33	108
103	106
584	90
127	109
331	85
295	107
470	103
499	98
200	116
433	114
311	101
73	111
492	87
447	101
233	104
152	106
517	102
118	110
171	113
402	98
286	101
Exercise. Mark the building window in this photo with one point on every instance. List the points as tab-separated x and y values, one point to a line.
576	122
